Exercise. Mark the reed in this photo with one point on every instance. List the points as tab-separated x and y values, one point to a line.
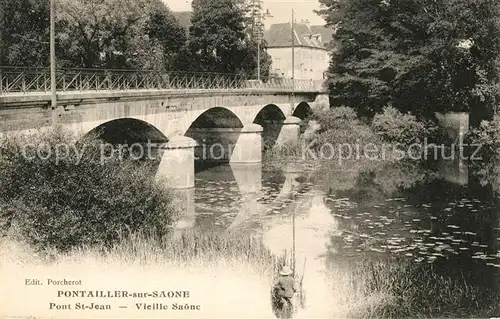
402	289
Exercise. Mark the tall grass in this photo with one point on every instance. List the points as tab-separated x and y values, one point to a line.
397	288
228	273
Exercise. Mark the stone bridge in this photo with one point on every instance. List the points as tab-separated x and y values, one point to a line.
232	124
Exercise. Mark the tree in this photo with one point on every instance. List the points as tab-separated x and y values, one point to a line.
164	28
24	32
420	55
218	41
117	34
90	33
254	26
251	60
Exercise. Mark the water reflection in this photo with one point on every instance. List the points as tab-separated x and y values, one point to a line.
395	210
186	202
249	180
445	217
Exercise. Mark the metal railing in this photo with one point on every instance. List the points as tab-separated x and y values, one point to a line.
26	80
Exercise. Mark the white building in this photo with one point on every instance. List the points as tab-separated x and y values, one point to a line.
311	55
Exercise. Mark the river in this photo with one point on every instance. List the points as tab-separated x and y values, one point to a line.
441	215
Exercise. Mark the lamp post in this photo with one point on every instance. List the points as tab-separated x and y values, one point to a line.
53	60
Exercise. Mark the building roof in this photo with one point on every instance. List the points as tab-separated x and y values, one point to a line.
280	35
326	33
184	18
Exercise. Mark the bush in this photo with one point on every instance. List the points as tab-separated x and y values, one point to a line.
340	126
488	136
335	118
67	201
394	126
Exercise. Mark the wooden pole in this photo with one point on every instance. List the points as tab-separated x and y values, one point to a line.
293	60
258	58
293	105
53	61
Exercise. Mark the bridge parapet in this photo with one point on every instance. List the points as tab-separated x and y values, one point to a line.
37	80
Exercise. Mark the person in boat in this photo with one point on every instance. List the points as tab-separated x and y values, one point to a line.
284	289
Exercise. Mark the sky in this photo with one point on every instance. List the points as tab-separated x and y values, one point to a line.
281	10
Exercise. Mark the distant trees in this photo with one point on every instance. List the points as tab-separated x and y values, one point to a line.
133	34
118	33
92	33
419	55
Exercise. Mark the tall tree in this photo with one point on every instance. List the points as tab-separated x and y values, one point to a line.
218	41
420	55
254	24
251	60
163	28
24	32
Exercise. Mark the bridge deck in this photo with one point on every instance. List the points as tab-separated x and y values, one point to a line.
45	97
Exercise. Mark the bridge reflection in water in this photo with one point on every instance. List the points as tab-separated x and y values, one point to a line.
240	196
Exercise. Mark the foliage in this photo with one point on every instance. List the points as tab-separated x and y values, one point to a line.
340	125
442	54
219	42
394	126
487	135
337	138
118	34
164	29
78	197
91	34
22	43
255	32
132	34
250	61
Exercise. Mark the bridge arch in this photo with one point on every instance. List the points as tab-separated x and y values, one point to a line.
217	117
302	111
216	131
271	118
127	131
131	138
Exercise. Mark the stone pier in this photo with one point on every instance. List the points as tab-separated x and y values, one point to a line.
214	144
248	148
177	162
290	131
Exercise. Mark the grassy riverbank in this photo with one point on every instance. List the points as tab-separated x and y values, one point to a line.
401	289
186	248
216	267
229	275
